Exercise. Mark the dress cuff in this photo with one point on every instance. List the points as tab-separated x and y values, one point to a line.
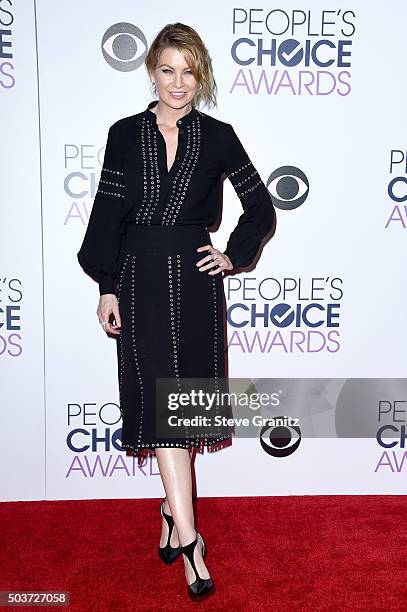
106	285
232	257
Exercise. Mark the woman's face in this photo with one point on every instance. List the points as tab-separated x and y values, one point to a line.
175	83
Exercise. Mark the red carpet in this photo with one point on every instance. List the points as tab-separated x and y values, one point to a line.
330	553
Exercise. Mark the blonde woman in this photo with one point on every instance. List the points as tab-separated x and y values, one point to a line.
160	277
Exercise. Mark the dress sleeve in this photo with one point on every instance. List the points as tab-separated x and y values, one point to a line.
99	253
258	211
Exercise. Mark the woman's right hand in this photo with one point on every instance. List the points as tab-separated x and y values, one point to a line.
108	305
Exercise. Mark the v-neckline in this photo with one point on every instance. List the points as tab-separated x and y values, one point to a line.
166	155
185	120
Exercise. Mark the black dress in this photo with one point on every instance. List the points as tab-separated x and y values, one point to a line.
140	244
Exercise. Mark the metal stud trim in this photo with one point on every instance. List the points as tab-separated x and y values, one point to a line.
242	193
182	179
108	186
241	182
120	339
111	193
112	171
151	175
135	354
249	163
111	183
245	179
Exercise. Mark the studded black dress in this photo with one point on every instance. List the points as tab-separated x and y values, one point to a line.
140	244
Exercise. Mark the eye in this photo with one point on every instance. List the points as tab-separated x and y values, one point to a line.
280	440
289	187
169	70
122	46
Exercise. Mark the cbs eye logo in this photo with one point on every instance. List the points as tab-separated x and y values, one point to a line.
289	187
280	440
124	46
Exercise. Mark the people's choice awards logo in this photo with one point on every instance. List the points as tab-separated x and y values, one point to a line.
93	442
293	53
288	187
124	47
397	190
7	60
376	408
284	315
11	317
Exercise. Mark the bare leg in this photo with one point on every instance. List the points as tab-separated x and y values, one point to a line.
174	541
175	469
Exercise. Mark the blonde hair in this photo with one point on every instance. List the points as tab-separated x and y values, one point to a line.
189	43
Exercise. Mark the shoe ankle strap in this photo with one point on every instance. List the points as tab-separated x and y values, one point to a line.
193	543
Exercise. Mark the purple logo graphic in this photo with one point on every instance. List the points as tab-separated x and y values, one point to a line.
10	317
397	190
7	78
94	440
298	52
82	164
376	408
287	315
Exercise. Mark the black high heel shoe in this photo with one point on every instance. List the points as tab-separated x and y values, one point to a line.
168	553
202	587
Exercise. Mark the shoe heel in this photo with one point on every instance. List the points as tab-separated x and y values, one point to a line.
201	587
168	553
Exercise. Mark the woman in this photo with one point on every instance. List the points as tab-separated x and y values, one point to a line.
160	278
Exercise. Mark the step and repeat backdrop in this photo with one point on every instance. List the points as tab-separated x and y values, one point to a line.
316	92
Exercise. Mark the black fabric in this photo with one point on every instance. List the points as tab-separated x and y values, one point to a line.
136	187
172	327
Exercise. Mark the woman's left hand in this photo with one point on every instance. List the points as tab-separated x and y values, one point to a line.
215	258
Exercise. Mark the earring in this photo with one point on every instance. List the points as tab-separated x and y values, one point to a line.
154	88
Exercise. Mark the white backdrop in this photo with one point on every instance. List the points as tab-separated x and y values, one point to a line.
340	124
